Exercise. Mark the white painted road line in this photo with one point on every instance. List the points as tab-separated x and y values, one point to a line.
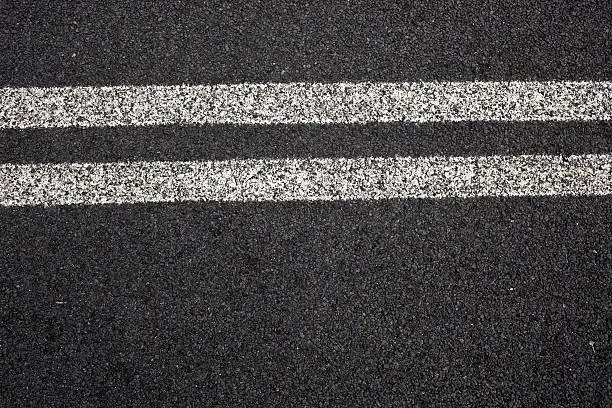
304	103
304	179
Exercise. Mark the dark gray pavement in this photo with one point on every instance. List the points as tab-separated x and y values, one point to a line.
452	302
220	142
477	302
140	43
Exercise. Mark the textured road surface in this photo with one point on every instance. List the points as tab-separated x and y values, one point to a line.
453	302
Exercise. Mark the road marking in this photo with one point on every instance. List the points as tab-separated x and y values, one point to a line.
277	103
304	179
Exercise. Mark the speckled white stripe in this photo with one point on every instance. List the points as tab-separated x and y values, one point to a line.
304	179
275	103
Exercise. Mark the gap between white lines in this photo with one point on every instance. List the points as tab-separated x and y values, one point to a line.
304	179
292	103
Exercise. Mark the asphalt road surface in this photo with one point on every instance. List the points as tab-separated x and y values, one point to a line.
491	300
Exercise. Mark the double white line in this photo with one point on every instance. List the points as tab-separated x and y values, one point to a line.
304	179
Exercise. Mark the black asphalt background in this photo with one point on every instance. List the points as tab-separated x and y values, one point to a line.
222	41
478	302
222	142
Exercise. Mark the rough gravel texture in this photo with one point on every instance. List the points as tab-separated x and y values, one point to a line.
496	302
221	41
453	302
